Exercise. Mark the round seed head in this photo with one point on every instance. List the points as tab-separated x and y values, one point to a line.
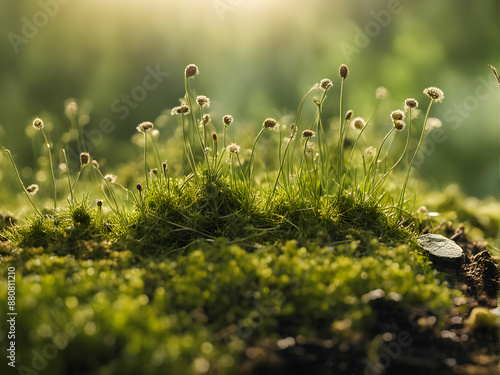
233	148
139	187
38	124
325	84
370	152
111	178
381	93
63	167
433	123
410	103
358	123
71	108
206	119
154	171
84	158
191	71
203	101
227	119
399	125
164	165
145	126
99	203
32	189
95	164
422	210
434	93
398	115
343	71
308	134
348	114
183	109
214	136
269	123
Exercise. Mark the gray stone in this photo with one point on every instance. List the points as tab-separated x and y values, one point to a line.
440	246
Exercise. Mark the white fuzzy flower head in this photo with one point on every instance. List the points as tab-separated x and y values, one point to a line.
325	84
145	126
32	189
233	148
399	125
358	123
370	152
434	93
308	134
203	101
38	124
398	115
433	123
410	103
381	93
111	178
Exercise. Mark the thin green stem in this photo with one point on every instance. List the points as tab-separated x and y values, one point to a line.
77	177
250	164
69	176
370	176
21	181
297	118
342	132
382	179
146	171
403	189
51	168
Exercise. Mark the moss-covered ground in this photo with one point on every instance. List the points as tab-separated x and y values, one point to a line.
191	279
313	267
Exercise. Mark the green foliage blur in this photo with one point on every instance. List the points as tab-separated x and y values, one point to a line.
256	58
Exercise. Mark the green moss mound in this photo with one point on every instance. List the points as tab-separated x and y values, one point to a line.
197	274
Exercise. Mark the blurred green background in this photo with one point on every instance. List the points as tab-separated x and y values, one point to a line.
257	58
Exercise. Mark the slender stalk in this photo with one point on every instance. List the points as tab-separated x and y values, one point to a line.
155	145
382	179
370	176
299	172
146	172
77	177
250	164
242	173
350	158
297	118
21	181
69	176
193	118
188	151
205	143
342	132
224	137
323	144
51	167
109	189
403	189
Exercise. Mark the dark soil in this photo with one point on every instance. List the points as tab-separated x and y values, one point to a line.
403	342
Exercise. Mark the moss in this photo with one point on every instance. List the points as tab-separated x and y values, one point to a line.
212	301
62	231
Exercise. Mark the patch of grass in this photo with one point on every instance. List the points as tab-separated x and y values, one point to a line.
63	229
